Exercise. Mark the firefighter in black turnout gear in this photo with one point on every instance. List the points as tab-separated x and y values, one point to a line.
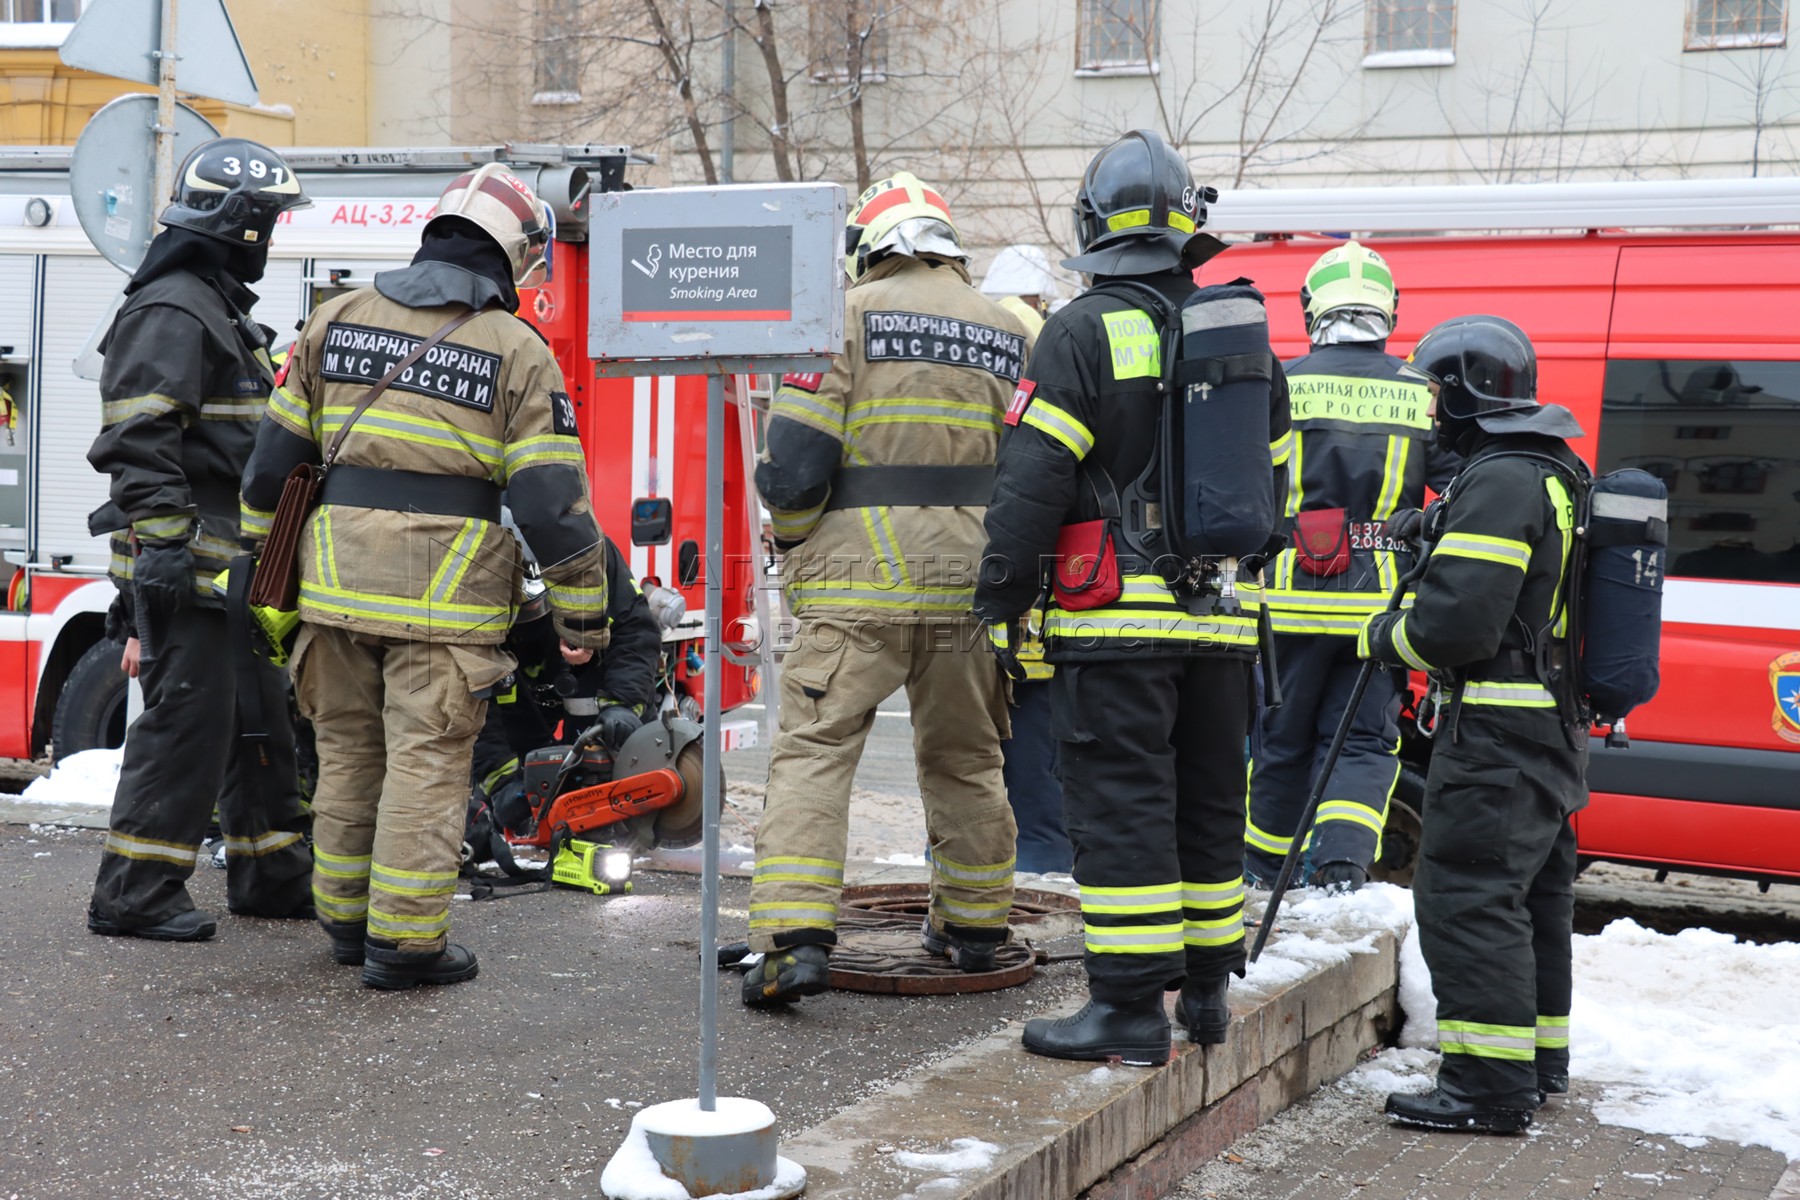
1152	694
186	379
558	684
1491	620
1363	455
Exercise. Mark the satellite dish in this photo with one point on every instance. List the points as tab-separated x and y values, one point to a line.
121	38
113	171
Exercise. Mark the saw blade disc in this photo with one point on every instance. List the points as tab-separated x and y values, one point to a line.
682	823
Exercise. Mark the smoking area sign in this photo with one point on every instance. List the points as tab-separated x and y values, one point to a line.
740	274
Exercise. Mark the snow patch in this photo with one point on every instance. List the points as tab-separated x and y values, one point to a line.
1417	1000
970	1154
901	860
1393	1070
84	780
1317	930
634	1174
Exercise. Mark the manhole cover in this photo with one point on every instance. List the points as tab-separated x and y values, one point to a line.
878	946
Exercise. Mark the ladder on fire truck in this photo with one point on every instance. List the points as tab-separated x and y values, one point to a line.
1634	204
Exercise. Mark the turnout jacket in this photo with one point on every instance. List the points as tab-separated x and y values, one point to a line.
1495	590
486	404
1092	389
185	383
927	368
1363	443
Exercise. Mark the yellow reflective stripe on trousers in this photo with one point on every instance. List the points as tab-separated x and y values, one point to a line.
1507	695
1354	811
1063	426
968	913
341	866
151	404
1404	647
1552	1033
793	914
1155	897
995	875
1213	895
349	910
151	850
397	881
1215	931
1479	546
394	927
1133	939
1135	345
808	411
1515	1042
1268	843
260	845
792	869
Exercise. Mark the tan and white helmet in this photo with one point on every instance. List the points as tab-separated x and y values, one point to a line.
508	211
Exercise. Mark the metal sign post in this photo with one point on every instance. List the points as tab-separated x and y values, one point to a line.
165	110
720	280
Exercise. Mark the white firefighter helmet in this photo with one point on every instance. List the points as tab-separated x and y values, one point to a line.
1021	270
1349	276
502	206
899	215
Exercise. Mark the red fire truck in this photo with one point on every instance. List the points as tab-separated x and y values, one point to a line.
1676	350
645	438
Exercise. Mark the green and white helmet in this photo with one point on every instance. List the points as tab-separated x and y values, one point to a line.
1349	276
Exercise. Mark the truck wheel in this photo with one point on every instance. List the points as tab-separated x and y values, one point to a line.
90	713
1400	837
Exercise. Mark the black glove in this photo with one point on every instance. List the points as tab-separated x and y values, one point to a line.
164	575
1406	525
1003	640
617	723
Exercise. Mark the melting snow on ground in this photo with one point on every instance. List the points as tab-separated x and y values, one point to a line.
967	1154
634	1174
1692	1035
84	780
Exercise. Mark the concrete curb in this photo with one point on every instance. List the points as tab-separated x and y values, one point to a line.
1068	1129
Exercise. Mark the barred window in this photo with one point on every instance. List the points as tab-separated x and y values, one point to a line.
1118	35
842	30
557	62
1411	25
1729	24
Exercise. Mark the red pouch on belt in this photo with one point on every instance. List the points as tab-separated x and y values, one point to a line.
1322	542
1087	566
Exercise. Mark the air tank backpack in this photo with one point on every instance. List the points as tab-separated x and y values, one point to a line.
1206	495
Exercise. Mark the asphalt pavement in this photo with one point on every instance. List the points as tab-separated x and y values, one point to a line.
251	1066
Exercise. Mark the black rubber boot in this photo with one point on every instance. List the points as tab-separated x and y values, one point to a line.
1136	1034
190	926
1556	1084
303	911
969	956
1439	1110
1339	877
784	976
346	941
391	969
1203	1010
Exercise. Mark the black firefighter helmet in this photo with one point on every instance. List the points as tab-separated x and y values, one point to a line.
1486	372
1139	211
233	189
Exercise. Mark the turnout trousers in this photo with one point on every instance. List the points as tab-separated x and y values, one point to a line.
396	723
1318	673
831	683
184	754
1494	892
1151	758
1031	786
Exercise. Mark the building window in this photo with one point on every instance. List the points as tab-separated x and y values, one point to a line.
1732	24
1410	33
22	12
842	32
1118	37
557	64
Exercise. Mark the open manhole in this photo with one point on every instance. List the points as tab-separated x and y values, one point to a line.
878	946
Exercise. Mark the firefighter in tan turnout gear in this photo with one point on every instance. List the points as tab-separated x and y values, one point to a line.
408	580
876	475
